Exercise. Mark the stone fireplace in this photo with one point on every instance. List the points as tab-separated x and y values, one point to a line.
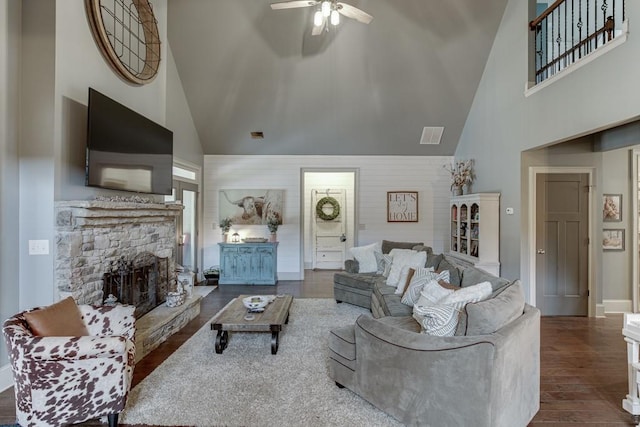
92	236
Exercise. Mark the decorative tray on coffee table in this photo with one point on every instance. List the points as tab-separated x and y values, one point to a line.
257	303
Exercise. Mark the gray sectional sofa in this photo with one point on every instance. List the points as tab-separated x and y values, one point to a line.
488	374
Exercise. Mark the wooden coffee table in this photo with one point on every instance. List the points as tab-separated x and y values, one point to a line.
232	319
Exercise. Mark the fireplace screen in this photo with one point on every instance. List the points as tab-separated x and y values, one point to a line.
143	282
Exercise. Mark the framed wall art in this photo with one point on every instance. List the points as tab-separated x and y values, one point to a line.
612	207
402	206
246	207
613	239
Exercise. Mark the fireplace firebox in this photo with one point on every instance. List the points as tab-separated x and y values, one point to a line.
142	281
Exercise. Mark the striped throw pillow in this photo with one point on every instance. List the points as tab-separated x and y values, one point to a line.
437	320
421	277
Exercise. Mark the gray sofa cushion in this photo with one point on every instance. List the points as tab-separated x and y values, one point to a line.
455	276
486	317
342	341
387	245
351	266
433	260
390	302
355	280
407	323
472	276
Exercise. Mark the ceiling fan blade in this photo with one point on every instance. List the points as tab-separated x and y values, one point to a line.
354	13
293	4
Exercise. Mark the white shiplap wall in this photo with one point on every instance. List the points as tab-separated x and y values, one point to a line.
378	174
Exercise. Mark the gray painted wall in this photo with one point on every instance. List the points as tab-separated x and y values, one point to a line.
10	27
48	59
37	90
503	122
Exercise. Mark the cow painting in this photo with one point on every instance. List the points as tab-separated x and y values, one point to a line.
251	206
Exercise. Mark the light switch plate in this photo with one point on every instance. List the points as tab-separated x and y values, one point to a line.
509	211
38	247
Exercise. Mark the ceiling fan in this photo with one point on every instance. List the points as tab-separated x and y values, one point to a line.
329	11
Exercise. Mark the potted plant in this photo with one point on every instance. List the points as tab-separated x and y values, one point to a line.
225	225
273	224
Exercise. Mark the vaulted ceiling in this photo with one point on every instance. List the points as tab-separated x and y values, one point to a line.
358	90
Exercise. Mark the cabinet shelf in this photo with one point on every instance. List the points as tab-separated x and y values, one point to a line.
475	228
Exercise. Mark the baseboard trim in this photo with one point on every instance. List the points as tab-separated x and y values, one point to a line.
617	306
6	377
600	310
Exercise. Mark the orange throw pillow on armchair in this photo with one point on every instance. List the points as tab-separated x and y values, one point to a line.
62	319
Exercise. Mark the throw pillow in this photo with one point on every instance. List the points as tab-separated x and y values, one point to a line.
387	246
464	296
405	277
488	316
384	263
420	278
432	293
402	257
437	320
365	257
455	277
62	319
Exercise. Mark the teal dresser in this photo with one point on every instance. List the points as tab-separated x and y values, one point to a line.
248	263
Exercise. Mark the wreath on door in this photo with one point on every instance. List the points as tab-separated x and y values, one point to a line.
335	208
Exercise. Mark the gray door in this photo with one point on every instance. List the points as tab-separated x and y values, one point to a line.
562	220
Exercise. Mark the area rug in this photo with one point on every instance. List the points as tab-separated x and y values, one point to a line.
248	386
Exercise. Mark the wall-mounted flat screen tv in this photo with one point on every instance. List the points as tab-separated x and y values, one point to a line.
125	150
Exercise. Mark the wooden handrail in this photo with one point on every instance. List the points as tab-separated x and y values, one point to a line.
533	24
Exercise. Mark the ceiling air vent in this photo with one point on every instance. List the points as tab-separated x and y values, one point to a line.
431	135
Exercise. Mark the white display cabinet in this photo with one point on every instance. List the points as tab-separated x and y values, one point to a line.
475	230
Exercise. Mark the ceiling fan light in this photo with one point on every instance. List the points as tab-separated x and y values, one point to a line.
326	8
318	18
335	17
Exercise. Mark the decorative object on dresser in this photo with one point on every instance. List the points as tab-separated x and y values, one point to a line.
461	176
272	224
402	206
248	263
475	230
225	226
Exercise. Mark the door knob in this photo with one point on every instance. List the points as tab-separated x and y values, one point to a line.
541	252
343	238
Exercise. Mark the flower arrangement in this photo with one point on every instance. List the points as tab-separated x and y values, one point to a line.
461	173
225	224
273	224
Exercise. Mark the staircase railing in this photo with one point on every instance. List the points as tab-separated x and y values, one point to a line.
571	29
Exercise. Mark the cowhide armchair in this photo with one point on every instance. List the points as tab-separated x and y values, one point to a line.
61	380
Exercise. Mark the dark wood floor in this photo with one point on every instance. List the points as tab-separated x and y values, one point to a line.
583	362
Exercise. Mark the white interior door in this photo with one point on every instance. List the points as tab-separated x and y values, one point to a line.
328	236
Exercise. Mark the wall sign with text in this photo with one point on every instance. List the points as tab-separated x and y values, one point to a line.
402	206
